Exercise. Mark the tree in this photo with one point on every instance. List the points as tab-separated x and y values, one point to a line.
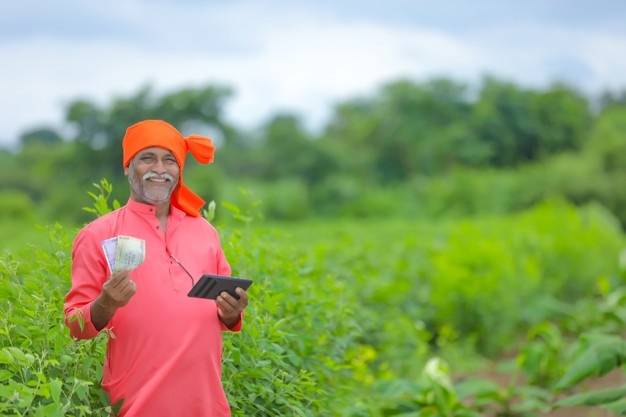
404	130
564	119
288	150
42	135
520	125
99	131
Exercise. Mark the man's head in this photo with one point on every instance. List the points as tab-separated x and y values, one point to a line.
153	174
154	155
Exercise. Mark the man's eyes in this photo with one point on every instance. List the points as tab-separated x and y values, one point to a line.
152	159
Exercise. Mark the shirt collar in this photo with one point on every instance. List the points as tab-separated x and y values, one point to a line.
144	208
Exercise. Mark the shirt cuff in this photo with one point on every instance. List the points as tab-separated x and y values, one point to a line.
80	324
235	327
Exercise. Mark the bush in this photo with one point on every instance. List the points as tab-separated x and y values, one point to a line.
43	372
299	339
16	205
341	312
286	199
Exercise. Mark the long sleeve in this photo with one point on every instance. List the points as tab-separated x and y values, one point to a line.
89	272
223	268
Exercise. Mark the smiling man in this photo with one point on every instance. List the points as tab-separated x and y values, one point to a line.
164	354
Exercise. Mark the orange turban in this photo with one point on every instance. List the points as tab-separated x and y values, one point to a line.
148	133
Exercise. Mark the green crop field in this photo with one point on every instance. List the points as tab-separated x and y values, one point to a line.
355	318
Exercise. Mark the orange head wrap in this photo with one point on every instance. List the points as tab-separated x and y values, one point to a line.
148	133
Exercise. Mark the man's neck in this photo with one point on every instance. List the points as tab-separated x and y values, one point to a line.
161	210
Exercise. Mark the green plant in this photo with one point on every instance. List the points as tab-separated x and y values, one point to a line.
100	203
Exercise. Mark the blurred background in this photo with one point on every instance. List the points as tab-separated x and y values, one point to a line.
426	193
355	109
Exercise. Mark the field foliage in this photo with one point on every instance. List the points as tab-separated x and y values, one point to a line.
347	317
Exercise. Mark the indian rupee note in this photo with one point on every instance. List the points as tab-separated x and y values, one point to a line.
130	252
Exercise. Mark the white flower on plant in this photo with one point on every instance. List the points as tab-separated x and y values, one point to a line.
437	371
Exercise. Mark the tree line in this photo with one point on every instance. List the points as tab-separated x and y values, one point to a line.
405	132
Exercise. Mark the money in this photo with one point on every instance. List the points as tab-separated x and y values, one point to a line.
109	246
129	253
124	253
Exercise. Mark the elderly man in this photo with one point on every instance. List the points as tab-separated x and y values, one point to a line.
164	354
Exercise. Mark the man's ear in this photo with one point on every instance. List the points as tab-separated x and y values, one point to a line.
126	171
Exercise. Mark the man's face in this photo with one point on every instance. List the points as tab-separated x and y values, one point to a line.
153	174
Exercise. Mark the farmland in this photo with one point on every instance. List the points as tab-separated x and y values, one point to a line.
370	317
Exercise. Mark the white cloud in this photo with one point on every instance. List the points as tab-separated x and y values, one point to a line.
279	59
301	66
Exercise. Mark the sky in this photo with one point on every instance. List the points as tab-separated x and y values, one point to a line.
297	56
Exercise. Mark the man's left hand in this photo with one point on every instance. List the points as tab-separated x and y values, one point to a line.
229	309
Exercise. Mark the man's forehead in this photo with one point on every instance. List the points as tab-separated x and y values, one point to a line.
157	150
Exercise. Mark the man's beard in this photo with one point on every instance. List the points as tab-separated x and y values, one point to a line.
153	193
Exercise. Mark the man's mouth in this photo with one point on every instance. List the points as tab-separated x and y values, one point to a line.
161	180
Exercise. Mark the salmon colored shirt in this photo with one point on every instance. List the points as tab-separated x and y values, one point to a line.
164	357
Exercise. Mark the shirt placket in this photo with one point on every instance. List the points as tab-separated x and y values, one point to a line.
172	281
177	272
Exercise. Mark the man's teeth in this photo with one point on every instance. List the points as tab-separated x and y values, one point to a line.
158	179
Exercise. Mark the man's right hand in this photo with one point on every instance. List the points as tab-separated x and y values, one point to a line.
116	292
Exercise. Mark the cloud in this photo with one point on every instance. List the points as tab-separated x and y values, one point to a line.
277	58
300	65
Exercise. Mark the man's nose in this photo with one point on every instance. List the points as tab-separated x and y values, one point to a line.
159	167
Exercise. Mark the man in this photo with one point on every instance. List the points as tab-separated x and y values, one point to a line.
164	351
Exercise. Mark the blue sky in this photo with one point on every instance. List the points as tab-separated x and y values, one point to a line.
302	56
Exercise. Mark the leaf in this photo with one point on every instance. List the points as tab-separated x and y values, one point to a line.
618	407
5	357
477	388
597	397
538	393
602	356
209	212
15	356
55	389
77	315
49	410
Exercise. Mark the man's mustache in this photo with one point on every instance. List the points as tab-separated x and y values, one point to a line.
151	174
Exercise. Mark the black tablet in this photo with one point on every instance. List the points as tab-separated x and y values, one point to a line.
210	286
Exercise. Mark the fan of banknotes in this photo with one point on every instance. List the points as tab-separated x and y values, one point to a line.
124	253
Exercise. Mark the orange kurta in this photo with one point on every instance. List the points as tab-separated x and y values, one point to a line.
165	357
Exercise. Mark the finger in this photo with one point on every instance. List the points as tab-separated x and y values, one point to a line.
118	278
228	299
131	287
125	293
224	305
125	286
225	313
243	296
